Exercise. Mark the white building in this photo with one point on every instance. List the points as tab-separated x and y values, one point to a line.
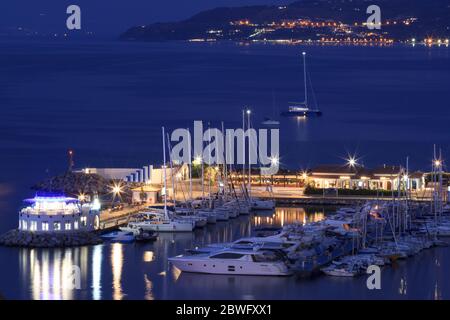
58	213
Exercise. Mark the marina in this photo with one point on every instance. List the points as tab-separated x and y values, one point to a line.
142	271
155	220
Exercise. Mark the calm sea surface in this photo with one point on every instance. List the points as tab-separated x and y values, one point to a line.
108	101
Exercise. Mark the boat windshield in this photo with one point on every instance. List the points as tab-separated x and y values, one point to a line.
227	255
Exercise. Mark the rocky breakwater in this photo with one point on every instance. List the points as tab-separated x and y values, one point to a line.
17	238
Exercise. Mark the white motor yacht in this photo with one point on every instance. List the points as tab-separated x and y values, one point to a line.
236	262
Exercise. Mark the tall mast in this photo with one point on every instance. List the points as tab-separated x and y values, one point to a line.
164	174
172	180
190	166
243	146
304	77
209	164
225	147
249	154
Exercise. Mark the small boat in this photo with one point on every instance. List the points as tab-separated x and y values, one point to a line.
270	122
119	236
342	270
145	236
235	262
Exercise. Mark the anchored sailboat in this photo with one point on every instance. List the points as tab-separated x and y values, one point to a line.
302	109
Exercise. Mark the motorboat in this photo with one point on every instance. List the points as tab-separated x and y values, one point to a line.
343	270
234	262
119	236
146	236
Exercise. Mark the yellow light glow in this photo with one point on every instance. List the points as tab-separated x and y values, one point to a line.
148	256
197	160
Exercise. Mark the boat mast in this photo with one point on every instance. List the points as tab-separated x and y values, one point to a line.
249	151
304	77
209	167
166	217
243	146
225	173
190	167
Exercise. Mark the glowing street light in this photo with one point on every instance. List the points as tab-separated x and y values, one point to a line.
351	162
437	163
275	161
248	111
197	160
116	189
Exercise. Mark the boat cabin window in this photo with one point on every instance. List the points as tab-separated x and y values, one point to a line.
244	242
227	255
265	257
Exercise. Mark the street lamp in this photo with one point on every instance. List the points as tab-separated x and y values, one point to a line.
351	161
274	161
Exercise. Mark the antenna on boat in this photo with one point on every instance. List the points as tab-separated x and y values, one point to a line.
164	174
304	77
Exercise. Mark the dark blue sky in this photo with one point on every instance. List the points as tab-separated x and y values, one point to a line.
105	17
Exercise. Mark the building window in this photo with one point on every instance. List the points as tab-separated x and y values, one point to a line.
75	225
33	226
24	225
56	226
44	226
67	226
83	221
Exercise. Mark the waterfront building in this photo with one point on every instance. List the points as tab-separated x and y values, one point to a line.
339	177
58	213
148	194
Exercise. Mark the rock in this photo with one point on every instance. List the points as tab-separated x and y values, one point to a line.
48	240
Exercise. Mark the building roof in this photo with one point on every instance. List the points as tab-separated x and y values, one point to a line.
335	169
386	170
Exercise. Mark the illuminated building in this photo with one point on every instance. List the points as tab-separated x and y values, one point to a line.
58	213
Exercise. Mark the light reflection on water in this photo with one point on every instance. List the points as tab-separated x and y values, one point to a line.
288	215
141	271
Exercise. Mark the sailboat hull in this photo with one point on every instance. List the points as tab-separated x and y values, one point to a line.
307	113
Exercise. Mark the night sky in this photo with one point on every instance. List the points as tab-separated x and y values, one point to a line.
105	17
